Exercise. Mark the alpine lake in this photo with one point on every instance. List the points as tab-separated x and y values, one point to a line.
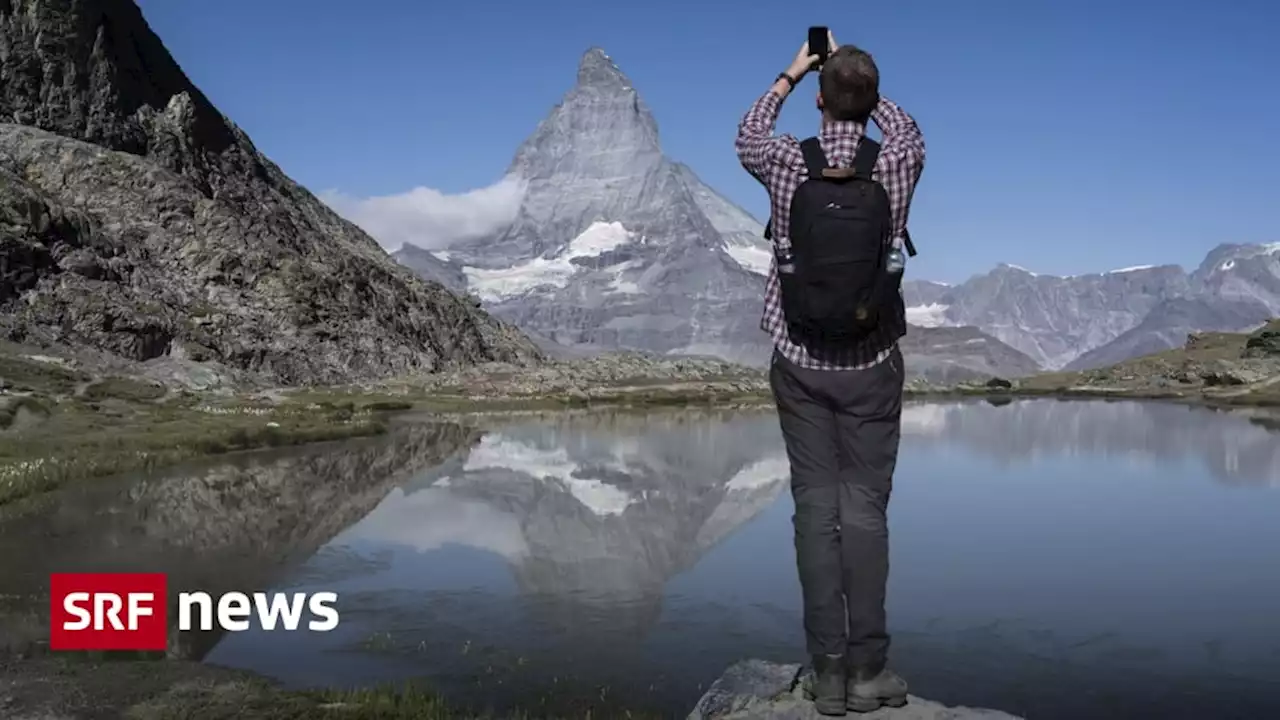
1050	558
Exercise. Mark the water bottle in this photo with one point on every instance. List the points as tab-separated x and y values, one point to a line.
896	261
786	263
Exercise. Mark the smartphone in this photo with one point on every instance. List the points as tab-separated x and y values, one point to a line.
818	43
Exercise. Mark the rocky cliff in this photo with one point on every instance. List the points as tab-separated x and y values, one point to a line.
136	219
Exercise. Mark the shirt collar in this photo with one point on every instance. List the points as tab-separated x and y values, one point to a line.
842	130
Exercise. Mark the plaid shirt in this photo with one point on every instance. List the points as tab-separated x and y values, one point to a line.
778	163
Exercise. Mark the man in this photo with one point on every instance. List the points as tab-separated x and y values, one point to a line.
839	403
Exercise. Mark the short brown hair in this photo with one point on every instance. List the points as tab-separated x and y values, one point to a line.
850	84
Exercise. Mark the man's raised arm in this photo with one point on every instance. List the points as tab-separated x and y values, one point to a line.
757	146
901	159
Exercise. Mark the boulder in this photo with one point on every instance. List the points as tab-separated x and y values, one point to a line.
760	690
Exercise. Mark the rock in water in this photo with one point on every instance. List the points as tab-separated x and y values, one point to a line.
617	246
758	690
136	219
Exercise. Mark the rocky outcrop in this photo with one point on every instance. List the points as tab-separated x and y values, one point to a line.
137	220
945	355
1168	325
758	690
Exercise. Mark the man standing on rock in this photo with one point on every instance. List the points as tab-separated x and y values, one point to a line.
834	309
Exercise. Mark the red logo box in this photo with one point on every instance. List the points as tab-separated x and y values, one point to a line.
108	611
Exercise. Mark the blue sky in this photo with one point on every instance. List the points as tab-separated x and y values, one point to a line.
1063	137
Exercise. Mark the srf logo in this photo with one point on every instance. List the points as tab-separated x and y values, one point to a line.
108	611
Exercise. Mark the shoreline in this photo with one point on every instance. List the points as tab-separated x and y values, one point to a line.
52	687
78	440
66	417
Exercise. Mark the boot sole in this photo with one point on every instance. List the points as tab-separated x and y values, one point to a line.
835	708
866	705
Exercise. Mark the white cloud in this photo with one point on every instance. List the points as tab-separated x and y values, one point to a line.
429	218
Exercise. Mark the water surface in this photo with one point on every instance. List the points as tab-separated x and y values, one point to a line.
1054	559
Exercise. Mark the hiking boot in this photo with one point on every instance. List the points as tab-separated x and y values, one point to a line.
826	684
866	693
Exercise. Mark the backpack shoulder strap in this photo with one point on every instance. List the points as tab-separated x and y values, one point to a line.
814	158
864	158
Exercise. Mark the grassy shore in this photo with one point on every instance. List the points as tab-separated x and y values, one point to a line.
58	424
53	687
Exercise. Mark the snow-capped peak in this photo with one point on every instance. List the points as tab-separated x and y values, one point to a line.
502	283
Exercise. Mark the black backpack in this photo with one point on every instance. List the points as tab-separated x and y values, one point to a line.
835	286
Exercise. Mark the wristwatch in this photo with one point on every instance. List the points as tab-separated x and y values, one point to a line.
790	80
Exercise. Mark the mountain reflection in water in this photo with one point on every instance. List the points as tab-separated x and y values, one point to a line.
1039	547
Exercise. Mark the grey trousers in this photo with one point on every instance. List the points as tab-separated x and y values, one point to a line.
841	429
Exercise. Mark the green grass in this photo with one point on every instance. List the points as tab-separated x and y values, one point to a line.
124	389
82	438
25	375
154	690
124	425
10	411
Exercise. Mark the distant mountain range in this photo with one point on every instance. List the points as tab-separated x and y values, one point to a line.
1095	320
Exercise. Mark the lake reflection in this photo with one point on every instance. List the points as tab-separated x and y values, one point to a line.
1053	559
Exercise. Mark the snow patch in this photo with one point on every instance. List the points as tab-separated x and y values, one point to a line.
1135	268
1021	269
751	258
625	287
1251	252
600	498
502	283
48	359
931	315
434	518
761	473
496	451
441	255
924	419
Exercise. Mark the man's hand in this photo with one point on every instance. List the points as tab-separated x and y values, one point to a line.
803	63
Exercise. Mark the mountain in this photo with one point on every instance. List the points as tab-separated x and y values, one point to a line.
1168	325
593	514
946	355
135	219
616	246
1098	319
